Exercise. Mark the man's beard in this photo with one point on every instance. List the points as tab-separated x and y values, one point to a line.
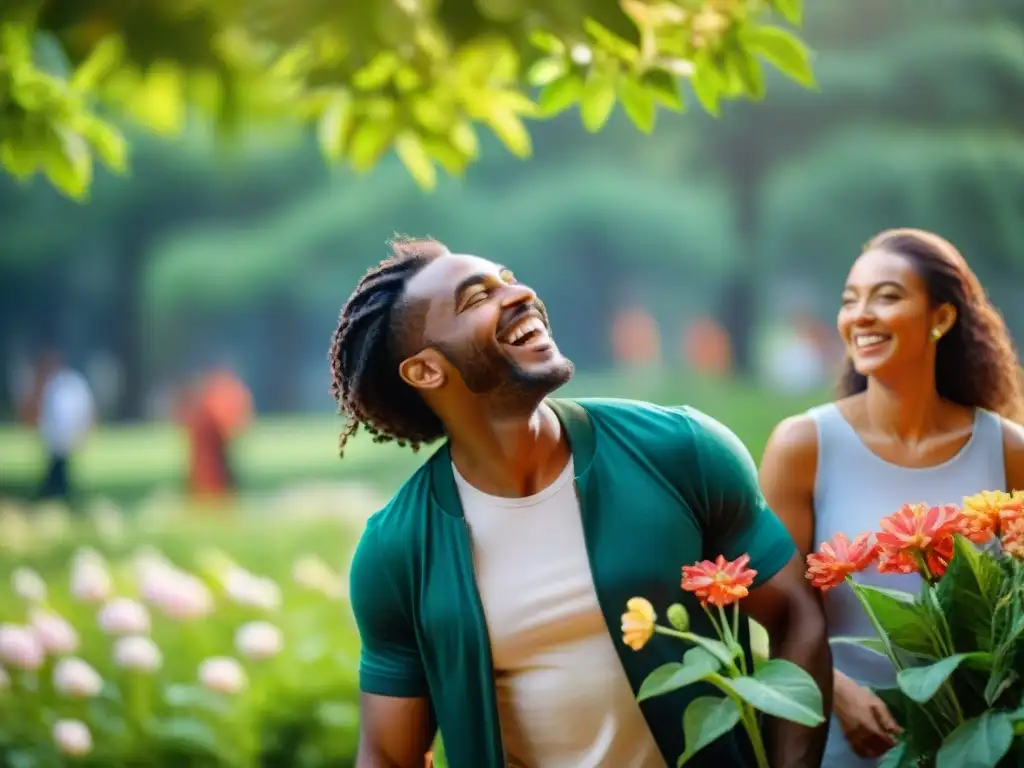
488	373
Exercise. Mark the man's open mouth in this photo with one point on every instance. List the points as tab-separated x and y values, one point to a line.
528	329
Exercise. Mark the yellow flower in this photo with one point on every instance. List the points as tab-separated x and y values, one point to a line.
984	511
638	623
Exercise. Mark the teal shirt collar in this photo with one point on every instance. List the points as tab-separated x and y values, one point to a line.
578	428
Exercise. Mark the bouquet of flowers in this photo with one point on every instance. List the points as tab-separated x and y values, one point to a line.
776	687
958	646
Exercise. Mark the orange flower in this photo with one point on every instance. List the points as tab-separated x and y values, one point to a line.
918	531
987	512
1013	538
836	559
638	623
720	582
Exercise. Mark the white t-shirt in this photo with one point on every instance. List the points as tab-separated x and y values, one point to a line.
563	698
66	411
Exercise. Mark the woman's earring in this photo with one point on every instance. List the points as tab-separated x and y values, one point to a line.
936	334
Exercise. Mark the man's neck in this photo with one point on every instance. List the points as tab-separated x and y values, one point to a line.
512	456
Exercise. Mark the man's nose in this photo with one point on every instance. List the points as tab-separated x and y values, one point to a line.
518	294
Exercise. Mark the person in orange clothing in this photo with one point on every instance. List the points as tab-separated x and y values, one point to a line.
214	413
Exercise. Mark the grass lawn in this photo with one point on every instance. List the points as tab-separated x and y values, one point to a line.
128	461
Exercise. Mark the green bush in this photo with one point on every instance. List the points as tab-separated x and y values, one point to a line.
267	597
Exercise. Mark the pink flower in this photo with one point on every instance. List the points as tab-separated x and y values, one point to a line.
222	675
137	653
72	737
251	590
258	640
90	579
54	632
74	677
124	616
20	648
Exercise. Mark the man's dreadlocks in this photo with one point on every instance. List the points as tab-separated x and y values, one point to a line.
366	350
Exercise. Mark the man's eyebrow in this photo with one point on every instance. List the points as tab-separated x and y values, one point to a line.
474	279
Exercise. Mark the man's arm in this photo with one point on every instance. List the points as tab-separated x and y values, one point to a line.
396	728
393	732
739	521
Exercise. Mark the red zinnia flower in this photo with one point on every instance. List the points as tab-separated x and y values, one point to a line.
918	531
1013	538
989	512
839	557
720	582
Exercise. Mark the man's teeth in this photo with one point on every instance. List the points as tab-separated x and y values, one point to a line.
524	328
867	341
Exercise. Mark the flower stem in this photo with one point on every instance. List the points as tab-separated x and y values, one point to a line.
707	645
749	718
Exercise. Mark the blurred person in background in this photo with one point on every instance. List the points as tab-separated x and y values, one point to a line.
214	410
489	592
928	410
60	406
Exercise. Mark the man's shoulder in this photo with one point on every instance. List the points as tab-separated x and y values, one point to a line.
394	527
640	416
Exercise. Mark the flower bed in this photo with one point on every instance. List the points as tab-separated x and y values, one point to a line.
184	643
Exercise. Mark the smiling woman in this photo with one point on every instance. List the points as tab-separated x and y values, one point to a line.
927	411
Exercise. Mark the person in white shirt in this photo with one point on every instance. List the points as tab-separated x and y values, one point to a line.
65	416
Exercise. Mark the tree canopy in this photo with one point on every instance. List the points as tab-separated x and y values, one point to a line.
418	76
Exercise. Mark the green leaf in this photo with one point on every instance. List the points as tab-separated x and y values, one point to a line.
748	71
463	137
560	94
781	689
369	141
378	71
968	593
980	742
664	88
547	42
597	101
706	719
791	10
696	666
510	130
546	70
706	82
103	59
638	104
905	622
611	42
784	51
898	757
68	164
446	155
107	142
921	683
414	157
335	125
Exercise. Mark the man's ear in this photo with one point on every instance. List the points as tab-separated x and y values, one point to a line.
424	370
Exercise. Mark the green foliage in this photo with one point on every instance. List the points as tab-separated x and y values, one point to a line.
296	707
418	77
961	701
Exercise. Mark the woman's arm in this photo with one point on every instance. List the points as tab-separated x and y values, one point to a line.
1013	455
788	470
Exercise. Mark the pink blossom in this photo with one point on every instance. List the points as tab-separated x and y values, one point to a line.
124	616
222	674
251	590
72	737
74	677
90	578
137	653
258	640
20	648
54	632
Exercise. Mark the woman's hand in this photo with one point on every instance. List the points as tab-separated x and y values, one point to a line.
866	721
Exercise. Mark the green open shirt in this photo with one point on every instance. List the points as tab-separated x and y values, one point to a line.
659	488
